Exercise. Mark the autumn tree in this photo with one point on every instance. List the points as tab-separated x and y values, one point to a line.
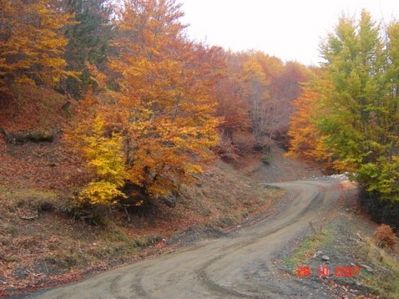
255	88
270	99
32	43
306	140
255	94
271	68
105	158
286	88
233	107
165	104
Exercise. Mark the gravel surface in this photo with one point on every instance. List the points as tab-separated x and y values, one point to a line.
239	265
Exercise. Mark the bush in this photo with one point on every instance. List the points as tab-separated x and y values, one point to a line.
385	236
381	210
101	192
227	150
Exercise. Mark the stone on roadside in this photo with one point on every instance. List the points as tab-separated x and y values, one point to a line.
318	253
368	268
325	258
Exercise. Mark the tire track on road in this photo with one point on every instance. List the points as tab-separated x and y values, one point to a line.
221	268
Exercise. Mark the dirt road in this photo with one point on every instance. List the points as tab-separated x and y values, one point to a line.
239	265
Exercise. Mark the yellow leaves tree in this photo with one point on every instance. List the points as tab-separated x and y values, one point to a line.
105	157
166	103
102	148
31	42
306	141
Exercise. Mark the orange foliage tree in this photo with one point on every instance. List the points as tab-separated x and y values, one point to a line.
233	107
92	134
31	42
306	141
165	104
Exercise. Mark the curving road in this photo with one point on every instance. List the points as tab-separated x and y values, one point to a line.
237	266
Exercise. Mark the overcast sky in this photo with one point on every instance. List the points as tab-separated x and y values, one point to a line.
289	29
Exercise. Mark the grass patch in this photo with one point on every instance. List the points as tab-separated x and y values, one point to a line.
115	233
307	249
19	194
385	281
28	198
146	242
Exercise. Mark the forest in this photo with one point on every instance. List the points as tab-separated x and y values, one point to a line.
122	137
147	108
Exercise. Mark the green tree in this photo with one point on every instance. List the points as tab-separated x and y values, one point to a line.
361	125
89	40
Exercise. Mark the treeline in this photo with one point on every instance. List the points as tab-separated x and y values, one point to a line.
348	115
152	106
256	93
53	43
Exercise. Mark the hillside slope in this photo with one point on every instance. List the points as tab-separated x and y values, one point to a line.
44	242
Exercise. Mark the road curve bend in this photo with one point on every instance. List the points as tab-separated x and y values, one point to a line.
239	265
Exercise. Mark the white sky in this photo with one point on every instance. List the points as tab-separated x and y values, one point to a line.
289	29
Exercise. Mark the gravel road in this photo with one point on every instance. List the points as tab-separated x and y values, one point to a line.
239	265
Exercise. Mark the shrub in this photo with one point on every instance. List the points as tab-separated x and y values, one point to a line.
382	210
385	236
101	192
227	150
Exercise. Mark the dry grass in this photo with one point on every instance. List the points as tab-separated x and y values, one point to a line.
385	280
385	237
